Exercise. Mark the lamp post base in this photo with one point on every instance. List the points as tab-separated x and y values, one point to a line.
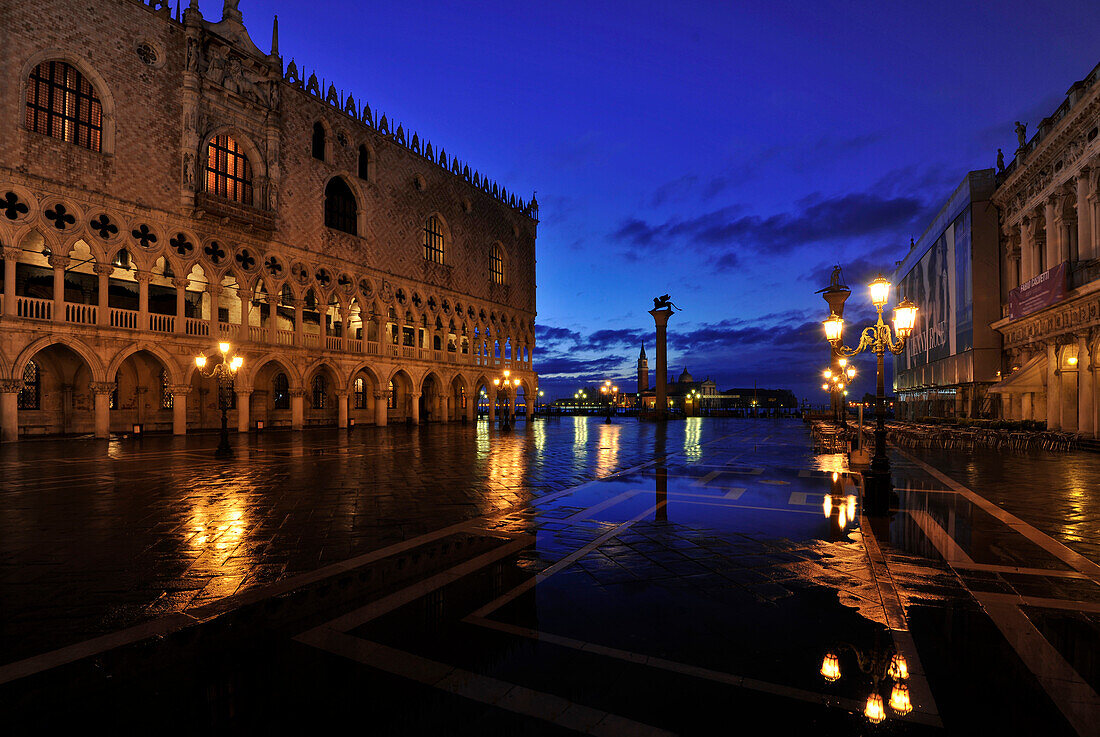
224	449
878	491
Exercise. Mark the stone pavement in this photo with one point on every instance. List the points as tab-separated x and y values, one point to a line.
571	576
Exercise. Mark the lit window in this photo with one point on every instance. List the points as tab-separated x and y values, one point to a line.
340	207
496	266
393	396
280	392
360	393
61	103
433	240
228	172
165	391
319	391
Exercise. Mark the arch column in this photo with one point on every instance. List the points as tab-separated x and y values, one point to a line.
381	405
245	336
529	405
102	393
11	258
215	292
297	408
1053	233
179	408
1054	388
341	409
143	279
1084	216
181	306
9	409
103	309
299	325
59	264
272	318
414	409
244	401
1086	387
494	395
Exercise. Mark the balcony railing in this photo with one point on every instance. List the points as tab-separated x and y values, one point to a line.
162	323
82	314
33	308
123	318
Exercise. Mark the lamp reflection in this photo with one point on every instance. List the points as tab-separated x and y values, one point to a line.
839	504
693	427
607	459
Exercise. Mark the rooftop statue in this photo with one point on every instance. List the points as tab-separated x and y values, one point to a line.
1021	133
664	302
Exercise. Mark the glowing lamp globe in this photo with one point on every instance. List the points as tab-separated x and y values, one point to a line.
223	347
851	372
874	711
905	316
899	699
899	669
827	373
236	363
880	292
825	387
834	328
830	667
200	361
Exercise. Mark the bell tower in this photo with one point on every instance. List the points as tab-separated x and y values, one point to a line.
643	372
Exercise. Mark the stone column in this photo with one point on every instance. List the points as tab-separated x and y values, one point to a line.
59	263
179	408
381	401
246	308
181	306
103	308
1086	397
244	402
1027	406
299	325
297	409
1054	236
660	408
272	318
1084	217
414	407
102	393
341	409
11	258
530	406
1092	207
493	392
9	407
1054	389
1027	249
212	321
143	279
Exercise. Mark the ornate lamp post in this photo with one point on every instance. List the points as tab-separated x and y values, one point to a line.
877	338
610	392
502	383
223	373
879	664
836	383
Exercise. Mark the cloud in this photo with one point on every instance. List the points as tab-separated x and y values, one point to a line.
551	366
724	235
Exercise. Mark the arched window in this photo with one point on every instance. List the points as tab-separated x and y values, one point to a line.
319	141
228	172
319	391
496	266
393	396
63	104
360	393
280	392
433	240
30	394
364	163
165	391
340	207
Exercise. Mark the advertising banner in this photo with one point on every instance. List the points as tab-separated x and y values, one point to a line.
1038	293
928	284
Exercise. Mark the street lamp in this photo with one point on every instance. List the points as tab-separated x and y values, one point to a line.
610	392
503	383
223	373
878	339
545	409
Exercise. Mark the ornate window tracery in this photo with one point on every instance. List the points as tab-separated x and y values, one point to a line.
360	393
319	391
62	103
30	394
166	399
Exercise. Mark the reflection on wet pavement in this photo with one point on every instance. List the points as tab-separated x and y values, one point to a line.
575	575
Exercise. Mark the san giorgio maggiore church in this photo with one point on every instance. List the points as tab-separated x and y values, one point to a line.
166	185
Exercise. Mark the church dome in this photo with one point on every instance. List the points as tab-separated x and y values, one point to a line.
686	378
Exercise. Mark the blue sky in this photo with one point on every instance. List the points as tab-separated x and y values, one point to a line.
725	153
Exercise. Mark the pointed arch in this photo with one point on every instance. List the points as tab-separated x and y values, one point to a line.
169	363
280	360
88	72
78	347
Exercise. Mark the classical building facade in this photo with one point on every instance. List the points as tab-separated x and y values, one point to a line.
1050	246
166	185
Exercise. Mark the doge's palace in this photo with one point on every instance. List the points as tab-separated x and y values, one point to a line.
165	185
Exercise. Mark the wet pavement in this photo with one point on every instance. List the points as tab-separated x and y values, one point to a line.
571	576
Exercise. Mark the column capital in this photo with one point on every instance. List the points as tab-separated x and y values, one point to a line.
381	395
59	262
180	282
245	295
297	393
10	386
103	269
343	394
102	387
143	277
179	389
12	253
